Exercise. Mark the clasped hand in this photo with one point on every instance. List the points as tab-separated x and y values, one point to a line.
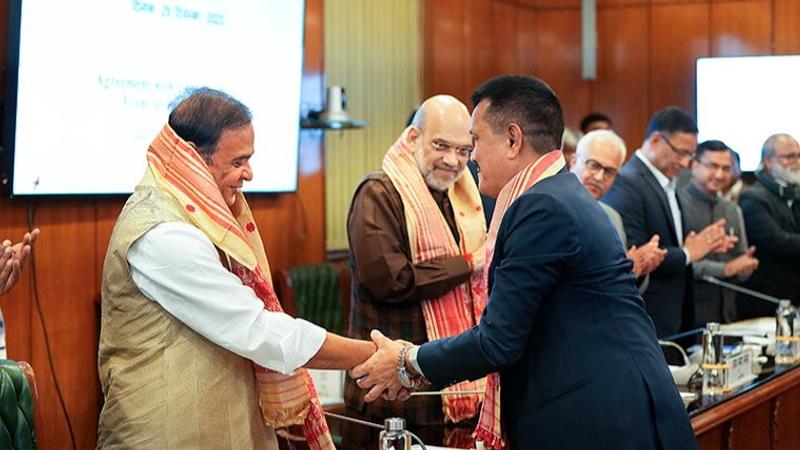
647	257
378	374
710	239
12	259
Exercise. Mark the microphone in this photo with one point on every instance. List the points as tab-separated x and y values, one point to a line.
733	287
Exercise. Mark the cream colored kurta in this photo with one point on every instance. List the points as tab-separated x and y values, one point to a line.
166	386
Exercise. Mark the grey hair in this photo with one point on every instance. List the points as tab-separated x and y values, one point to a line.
601	136
768	149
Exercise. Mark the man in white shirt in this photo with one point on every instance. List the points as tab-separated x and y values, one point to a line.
644	195
194	349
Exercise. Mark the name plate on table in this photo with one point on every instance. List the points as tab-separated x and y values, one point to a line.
741	370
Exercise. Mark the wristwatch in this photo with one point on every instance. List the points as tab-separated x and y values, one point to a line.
407	380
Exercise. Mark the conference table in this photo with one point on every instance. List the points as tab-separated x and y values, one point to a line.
762	414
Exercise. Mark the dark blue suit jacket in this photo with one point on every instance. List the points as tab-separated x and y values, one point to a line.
644	208
565	326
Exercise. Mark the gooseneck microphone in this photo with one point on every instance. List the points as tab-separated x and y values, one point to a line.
737	288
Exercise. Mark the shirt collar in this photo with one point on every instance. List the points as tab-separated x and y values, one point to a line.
660	177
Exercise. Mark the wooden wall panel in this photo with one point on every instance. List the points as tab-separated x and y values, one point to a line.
741	28
621	88
443	61
602	4
558	46
15	305
786	17
672	61
527	41
70	253
646	48
479	50
67	286
504	38
553	4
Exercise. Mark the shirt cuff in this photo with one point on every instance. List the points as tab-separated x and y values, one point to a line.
688	256
412	359
299	347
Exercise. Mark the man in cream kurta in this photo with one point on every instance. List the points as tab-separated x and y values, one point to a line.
188	340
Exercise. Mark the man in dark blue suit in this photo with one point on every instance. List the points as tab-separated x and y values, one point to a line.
564	327
644	194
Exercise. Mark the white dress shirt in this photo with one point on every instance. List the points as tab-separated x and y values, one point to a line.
177	266
669	189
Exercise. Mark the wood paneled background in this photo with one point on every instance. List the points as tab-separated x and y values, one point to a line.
646	49
646	53
70	253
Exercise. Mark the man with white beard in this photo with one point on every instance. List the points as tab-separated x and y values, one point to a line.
416	230
771	210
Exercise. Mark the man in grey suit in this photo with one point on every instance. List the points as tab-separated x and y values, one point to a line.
599	156
701	202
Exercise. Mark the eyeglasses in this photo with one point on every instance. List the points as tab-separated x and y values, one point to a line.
443	147
683	153
593	167
715	167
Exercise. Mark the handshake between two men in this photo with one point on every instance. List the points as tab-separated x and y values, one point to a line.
390	372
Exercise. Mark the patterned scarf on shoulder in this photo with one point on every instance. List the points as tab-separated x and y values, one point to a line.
430	237
177	169
489	429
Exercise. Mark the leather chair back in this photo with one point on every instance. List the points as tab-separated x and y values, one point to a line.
17	429
318	293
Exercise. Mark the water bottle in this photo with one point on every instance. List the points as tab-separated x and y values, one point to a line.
786	333
715	369
394	435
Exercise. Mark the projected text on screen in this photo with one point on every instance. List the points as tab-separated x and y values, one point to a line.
96	78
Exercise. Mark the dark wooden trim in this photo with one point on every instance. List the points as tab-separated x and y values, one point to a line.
726	411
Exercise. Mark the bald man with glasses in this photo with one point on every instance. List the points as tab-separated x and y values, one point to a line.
416	229
645	196
598	158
